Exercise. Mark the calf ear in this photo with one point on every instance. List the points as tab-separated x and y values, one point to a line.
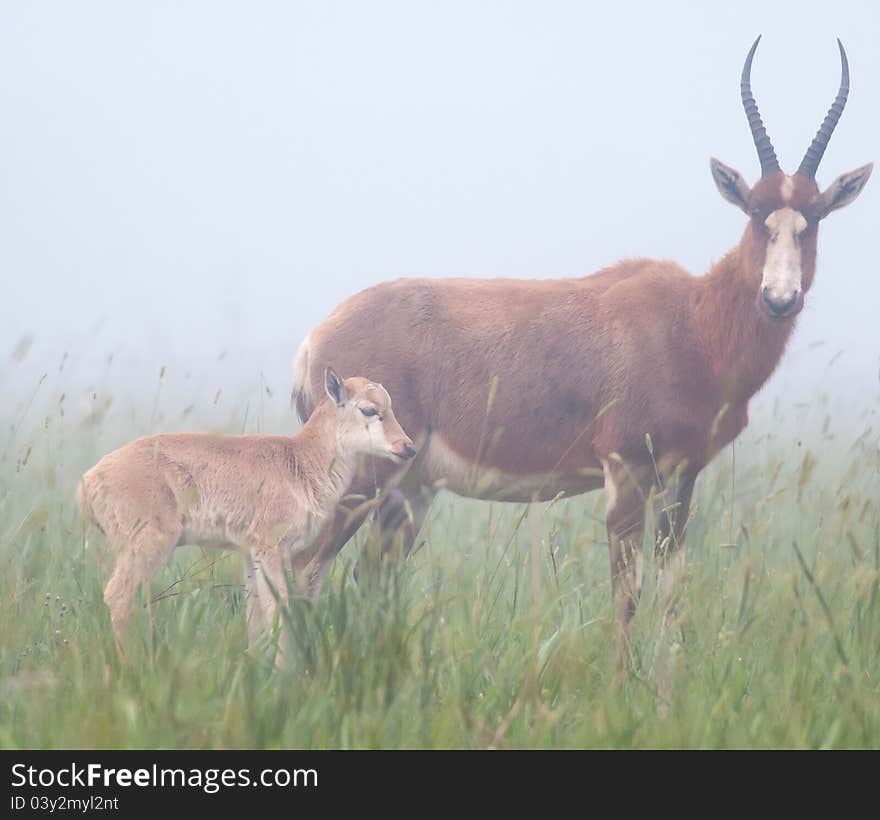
843	190
730	184
335	388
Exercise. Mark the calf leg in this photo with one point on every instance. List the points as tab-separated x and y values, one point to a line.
254	612
137	562
270	585
309	568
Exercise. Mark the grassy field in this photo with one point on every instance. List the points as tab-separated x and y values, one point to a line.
496	633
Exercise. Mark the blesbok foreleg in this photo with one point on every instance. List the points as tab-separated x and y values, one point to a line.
270	585
400	517
671	521
364	496
253	610
671	527
627	487
309	568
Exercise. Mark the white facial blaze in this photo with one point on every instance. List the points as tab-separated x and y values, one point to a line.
787	189
782	266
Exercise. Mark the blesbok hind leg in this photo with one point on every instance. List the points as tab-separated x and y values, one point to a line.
626	492
138	560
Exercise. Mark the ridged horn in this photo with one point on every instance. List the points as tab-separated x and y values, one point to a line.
813	157
766	154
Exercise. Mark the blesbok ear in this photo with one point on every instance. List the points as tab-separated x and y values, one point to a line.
843	190
730	184
335	388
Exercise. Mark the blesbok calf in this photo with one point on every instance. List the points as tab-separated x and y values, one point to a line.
523	390
267	496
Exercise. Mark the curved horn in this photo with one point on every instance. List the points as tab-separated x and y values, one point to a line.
813	157
766	154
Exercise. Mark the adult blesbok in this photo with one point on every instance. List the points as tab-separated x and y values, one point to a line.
523	390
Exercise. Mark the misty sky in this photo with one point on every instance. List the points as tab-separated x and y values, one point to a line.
185	178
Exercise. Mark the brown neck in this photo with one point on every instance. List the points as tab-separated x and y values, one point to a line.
318	458
744	346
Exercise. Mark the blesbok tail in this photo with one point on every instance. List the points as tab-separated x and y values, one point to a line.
301	394
84	503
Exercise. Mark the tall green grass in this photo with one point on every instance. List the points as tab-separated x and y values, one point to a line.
496	633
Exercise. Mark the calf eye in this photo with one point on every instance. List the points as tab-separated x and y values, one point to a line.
369	411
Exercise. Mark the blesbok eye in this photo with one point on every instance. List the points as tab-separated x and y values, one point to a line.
369	411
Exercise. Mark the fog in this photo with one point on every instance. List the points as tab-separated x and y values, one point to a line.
194	185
